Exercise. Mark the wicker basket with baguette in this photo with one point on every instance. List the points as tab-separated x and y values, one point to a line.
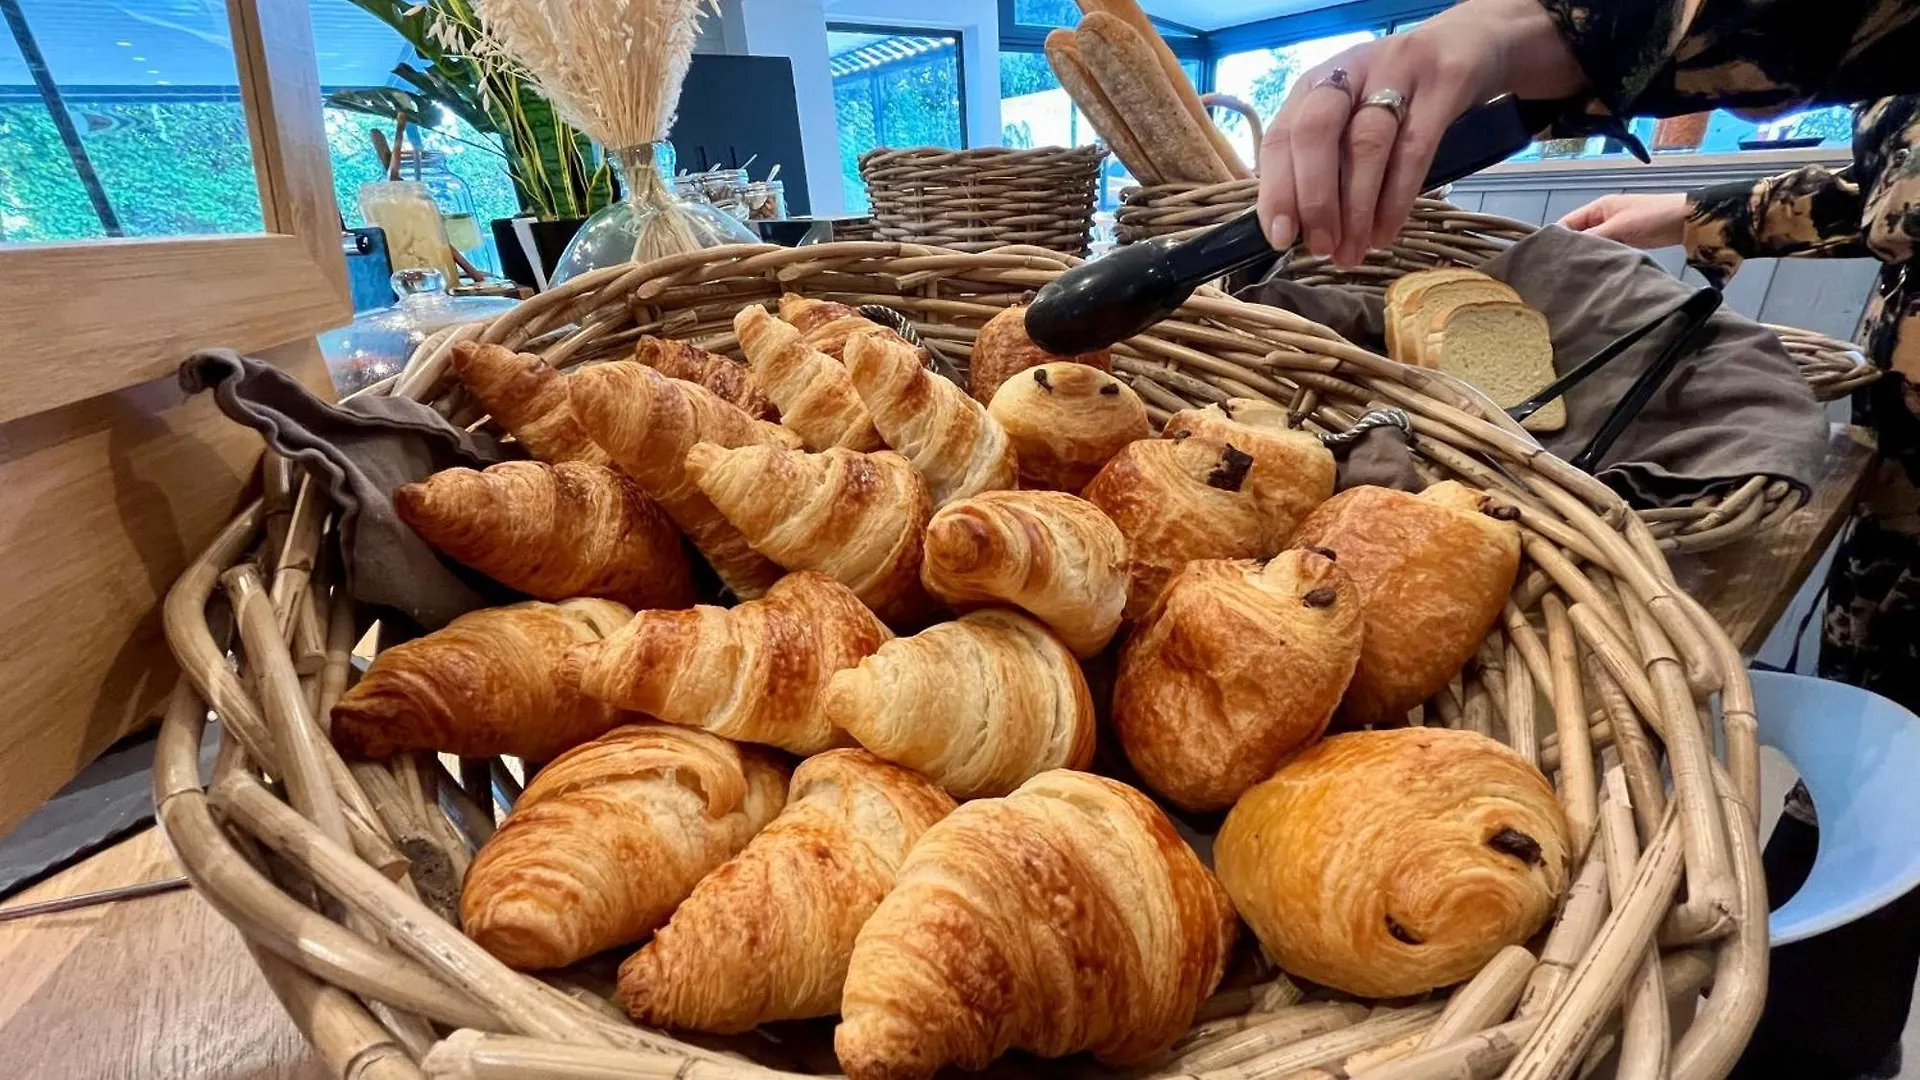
1527	620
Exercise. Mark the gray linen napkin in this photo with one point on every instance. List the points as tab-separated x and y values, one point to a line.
363	451
1735	407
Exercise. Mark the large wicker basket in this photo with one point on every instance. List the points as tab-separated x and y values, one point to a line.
339	875
973	200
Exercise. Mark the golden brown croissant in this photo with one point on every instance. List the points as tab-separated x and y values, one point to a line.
1003	350
529	399
767	936
1178	500
1387	863
485	684
750	672
980	704
553	531
828	326
648	422
1236	669
945	434
729	380
1433	569
1066	421
1068	916
1051	554
1292	471
857	518
610	837
816	398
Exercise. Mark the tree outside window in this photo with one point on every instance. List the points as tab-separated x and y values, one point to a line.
895	89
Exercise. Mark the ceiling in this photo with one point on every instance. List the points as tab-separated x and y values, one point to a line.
1214	14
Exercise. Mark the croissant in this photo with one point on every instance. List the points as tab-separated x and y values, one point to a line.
553	531
728	379
1177	501
750	672
1067	916
1003	350
945	434
1066	421
1434	570
767	936
1053	555
483	685
980	704
528	398
1387	863
858	518
610	837
1292	471
648	422
1236	669
816	398
828	326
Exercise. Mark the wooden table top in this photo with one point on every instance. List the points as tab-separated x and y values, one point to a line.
159	988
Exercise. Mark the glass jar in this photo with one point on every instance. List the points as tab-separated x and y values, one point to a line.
377	343
766	200
455	200
649	222
406	212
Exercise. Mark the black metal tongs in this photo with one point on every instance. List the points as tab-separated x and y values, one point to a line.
1098	303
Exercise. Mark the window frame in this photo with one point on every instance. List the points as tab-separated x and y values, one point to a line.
107	314
902	30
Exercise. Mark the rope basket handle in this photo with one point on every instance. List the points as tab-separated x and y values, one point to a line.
1218	100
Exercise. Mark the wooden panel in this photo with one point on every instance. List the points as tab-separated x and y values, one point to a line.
1528	206
1824	295
1564	201
139	989
105	502
1746	292
88	318
1466	200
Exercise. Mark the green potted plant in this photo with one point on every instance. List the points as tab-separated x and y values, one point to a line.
558	175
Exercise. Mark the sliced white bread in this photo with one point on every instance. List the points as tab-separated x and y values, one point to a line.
1424	310
1505	349
1406	288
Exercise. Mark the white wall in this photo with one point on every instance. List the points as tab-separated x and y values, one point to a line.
979	24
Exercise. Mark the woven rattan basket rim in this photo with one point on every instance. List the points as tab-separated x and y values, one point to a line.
1595	622
978	199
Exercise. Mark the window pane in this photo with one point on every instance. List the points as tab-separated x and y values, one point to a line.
1046	12
894	90
1263	77
151	103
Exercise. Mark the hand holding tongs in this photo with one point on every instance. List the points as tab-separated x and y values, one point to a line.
1103	301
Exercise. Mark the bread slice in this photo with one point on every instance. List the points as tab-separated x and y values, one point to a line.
1411	285
1424	310
1505	349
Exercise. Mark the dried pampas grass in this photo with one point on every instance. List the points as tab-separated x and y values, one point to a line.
612	68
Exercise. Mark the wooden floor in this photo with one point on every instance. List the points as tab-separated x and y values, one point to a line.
159	988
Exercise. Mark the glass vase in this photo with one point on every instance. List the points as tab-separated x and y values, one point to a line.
649	222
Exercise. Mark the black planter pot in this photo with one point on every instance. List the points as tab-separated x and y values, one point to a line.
549	240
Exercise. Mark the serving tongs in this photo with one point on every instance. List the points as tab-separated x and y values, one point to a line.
1692	314
1121	294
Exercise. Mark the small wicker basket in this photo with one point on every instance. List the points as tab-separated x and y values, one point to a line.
328	874
973	200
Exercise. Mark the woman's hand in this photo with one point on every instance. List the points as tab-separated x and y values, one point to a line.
1642	221
1344	175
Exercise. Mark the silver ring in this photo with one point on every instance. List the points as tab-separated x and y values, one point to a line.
1338	79
1393	101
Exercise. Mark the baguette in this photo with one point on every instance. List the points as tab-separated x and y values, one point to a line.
1063	55
1129	12
1124	67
